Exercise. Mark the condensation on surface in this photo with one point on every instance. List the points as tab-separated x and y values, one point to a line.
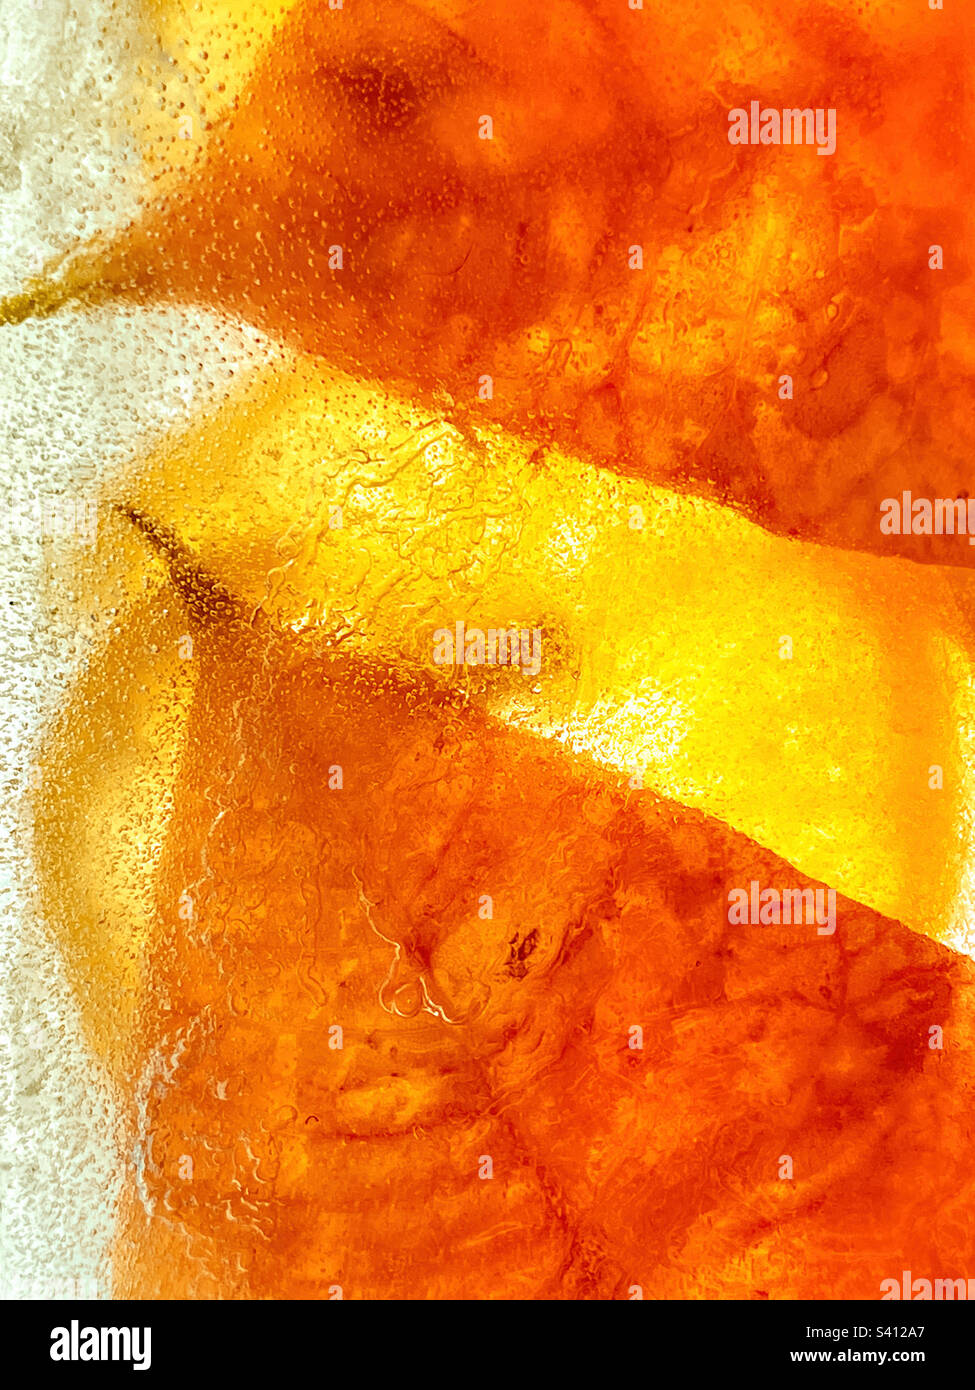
63	439
260	267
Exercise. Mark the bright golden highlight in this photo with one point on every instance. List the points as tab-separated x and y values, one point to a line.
413	963
663	619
